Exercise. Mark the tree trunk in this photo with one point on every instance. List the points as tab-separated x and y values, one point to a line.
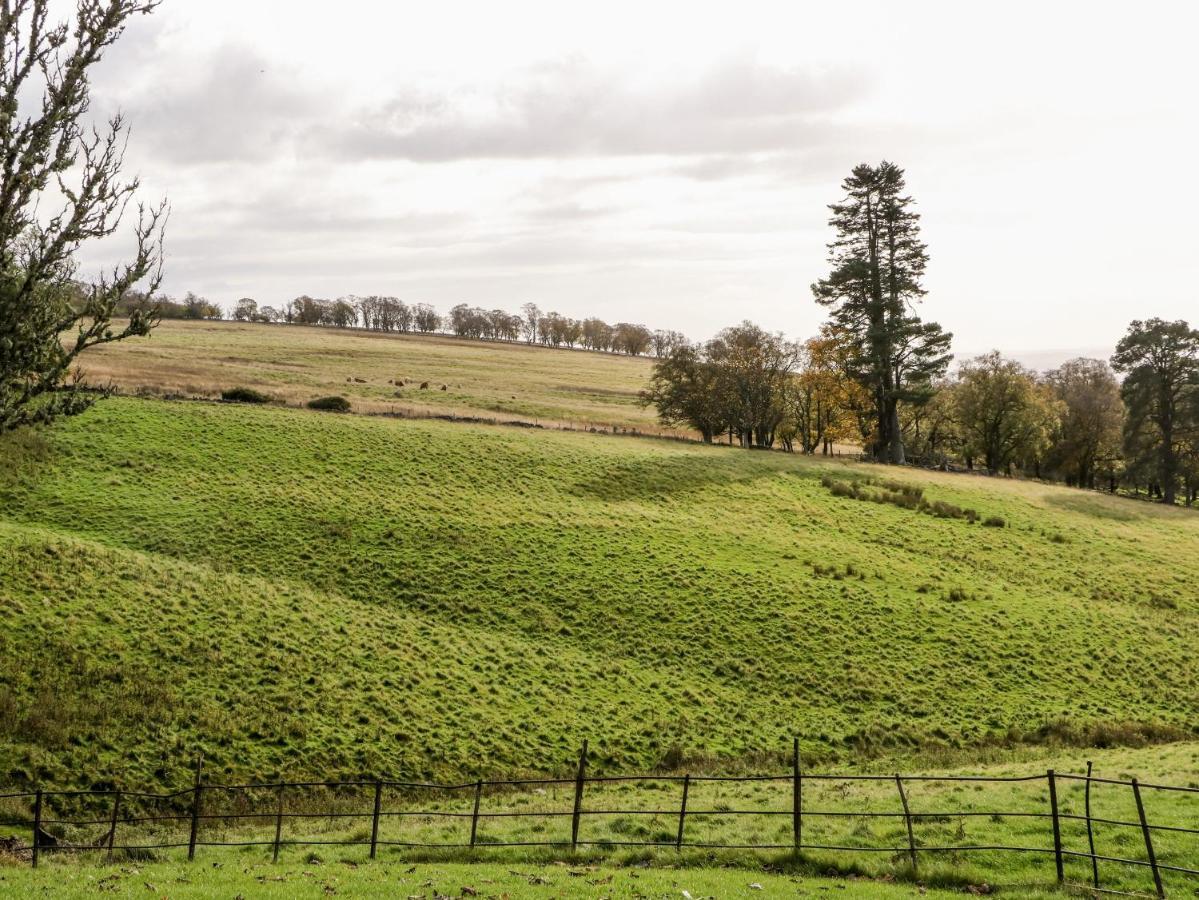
895	436
1168	465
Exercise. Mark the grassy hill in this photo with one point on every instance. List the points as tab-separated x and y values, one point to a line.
493	381
305	593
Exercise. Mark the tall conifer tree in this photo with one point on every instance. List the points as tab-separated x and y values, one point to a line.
878	262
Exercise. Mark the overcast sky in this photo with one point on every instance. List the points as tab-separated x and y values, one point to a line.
671	163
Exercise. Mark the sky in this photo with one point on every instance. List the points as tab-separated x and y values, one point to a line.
671	163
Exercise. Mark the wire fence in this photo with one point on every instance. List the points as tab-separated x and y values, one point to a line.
202	815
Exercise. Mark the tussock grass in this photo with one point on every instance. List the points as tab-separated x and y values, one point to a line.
244	395
333	403
906	496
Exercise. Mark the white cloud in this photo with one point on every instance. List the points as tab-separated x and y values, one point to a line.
574	108
670	161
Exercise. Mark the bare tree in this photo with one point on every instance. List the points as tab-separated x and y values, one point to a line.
531	316
51	156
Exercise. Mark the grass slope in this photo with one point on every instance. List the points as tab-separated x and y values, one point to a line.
506	382
313	594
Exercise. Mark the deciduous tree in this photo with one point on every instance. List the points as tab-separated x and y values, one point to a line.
1092	415
686	389
819	399
1004	414
246	310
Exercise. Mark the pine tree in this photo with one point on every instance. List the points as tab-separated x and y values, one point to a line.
878	262
1161	364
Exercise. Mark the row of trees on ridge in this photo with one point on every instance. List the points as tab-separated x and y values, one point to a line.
380	313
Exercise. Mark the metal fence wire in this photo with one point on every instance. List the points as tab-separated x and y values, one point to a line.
196	812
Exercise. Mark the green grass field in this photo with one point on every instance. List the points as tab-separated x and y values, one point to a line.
299	593
487	380
241	877
310	595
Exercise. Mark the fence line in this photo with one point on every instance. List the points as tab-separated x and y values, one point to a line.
119	800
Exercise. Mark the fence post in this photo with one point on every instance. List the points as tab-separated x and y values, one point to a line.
1091	830
1057	828
191	840
907	818
375	817
112	831
678	843
278	826
796	797
37	824
474	816
1157	875
578	811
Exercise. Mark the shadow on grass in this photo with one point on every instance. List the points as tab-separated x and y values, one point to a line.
652	478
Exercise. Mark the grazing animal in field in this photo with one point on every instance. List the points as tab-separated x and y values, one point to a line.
424	385
443	387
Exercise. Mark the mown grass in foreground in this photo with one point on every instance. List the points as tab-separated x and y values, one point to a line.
348	875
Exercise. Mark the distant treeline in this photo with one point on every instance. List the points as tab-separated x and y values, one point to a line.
390	314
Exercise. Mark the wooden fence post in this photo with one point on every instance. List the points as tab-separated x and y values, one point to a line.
37	824
1091	830
578	810
112	831
278	826
191	840
796	797
474	816
1157	875
678	843
375	817
1057	828
907	818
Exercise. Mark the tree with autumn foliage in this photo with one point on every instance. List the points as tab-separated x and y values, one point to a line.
820	399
